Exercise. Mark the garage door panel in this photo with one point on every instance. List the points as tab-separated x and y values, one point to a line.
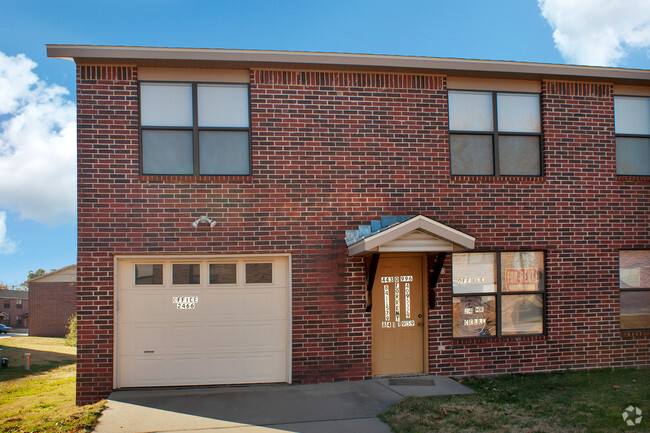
224	304
225	336
264	368
234	333
182	338
144	371
184	369
264	304
141	338
264	336
225	369
145	307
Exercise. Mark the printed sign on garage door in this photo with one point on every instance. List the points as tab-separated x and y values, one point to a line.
202	321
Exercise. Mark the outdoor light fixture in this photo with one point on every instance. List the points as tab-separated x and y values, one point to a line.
204	219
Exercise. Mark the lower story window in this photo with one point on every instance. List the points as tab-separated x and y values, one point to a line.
634	282
498	294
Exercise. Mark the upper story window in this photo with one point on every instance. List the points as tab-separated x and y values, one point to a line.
194	129
495	133
632	117
19	303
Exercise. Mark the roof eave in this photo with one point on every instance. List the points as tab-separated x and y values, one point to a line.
444	65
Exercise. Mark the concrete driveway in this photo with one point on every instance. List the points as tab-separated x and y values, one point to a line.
345	407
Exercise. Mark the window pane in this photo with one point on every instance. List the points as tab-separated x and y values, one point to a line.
223	105
474	316
470	111
522	271
148	274
522	314
471	154
632	115
186	274
519	155
474	273
633	156
225	273
518	113
259	273
167	152
634	269
635	310
224	152
166	104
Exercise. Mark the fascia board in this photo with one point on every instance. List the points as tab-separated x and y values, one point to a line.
343	59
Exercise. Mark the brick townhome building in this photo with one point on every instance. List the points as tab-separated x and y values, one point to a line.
254	216
14	308
52	300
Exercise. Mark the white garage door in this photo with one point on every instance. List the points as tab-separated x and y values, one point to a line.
190	321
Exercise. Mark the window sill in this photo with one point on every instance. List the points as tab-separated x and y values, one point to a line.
490	340
630	333
497	179
149	178
632	179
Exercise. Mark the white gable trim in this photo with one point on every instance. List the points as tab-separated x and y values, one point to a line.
407	237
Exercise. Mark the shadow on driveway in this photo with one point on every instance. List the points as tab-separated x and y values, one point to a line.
346	407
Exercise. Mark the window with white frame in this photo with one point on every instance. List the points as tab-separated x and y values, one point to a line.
634	283
498	294
495	133
632	119
194	129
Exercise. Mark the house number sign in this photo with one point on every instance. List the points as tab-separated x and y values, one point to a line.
395	283
185	302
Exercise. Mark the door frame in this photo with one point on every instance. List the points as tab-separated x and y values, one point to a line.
425	312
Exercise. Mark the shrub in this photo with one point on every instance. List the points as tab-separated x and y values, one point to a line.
71	336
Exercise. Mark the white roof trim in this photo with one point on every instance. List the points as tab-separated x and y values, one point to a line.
458	240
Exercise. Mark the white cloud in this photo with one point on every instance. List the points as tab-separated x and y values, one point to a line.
598	32
7	246
37	145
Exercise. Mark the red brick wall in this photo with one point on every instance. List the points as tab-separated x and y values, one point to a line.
107	136
50	306
332	151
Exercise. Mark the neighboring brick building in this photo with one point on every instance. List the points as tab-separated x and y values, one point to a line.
52	300
252	216
14	308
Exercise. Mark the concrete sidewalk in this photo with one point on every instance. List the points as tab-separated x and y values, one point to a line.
345	407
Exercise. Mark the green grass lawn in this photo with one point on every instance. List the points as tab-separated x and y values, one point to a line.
584	401
43	398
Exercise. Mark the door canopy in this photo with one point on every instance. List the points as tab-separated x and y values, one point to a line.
406	234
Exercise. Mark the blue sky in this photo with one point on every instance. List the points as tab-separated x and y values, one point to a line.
37	216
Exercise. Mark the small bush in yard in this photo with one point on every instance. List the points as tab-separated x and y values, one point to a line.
71	336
